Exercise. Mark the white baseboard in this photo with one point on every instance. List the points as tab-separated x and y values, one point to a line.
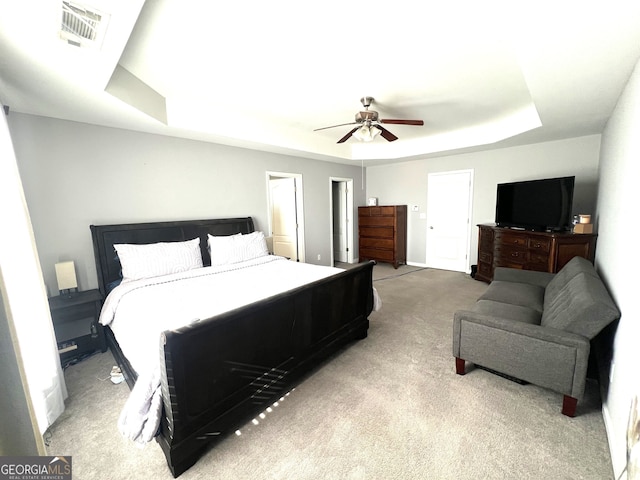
617	446
416	264
424	265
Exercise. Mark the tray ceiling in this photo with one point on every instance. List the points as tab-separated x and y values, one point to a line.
264	76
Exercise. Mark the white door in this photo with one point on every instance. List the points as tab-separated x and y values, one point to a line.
284	223
340	243
449	220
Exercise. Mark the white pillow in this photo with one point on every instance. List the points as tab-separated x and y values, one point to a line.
155	259
221	248
253	245
237	248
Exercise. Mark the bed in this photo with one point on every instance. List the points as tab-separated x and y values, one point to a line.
215	373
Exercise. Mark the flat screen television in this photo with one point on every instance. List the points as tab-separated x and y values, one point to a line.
539	205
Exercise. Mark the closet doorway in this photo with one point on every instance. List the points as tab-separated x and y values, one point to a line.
449	198
341	224
286	214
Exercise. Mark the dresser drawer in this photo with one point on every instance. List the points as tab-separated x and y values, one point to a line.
541	259
508	264
506	254
376	221
539	244
485	243
377	211
376	254
381	232
509	238
485	257
384	243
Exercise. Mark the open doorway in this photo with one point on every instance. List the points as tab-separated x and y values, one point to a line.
286	214
341	224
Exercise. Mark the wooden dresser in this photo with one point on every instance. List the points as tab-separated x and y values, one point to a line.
382	233
540	251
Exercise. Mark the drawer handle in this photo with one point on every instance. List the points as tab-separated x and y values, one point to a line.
537	245
515	254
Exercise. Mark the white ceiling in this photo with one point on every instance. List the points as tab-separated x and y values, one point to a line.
264	75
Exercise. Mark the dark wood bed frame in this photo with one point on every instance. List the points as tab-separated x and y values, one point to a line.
223	371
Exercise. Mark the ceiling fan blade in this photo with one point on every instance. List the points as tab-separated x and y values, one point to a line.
333	126
386	134
401	122
348	135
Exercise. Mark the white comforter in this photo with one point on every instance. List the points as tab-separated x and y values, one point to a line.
139	311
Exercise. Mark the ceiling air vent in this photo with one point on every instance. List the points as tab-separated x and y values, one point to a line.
81	26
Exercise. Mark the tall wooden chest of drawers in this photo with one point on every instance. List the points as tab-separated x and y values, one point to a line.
382	233
540	251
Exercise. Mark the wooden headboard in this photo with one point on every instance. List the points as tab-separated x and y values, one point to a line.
106	236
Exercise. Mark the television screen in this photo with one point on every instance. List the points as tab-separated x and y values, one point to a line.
536	204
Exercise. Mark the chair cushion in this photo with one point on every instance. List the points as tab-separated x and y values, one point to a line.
574	267
523	294
516	313
582	306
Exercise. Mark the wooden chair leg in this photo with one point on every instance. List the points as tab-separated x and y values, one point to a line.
460	366
569	406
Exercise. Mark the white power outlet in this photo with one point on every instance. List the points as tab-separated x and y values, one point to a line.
318	256
415	208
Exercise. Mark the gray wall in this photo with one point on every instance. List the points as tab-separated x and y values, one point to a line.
616	220
75	175
406	183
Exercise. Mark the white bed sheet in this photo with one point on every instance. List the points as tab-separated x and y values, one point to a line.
139	311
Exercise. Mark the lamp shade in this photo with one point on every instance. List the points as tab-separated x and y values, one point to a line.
366	133
66	275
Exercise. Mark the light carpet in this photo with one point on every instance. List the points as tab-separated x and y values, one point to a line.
387	407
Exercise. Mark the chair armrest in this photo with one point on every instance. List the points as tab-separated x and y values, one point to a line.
544	356
532	277
539	332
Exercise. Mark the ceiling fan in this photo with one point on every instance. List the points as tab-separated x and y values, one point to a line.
369	125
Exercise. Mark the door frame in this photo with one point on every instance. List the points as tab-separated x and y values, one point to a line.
470	172
349	218
299	208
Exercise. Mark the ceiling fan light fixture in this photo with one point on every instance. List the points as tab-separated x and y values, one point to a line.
366	133
368	127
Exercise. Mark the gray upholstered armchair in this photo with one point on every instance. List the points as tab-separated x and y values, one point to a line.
537	327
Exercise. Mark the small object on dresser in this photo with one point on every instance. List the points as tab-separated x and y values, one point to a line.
583	228
373	201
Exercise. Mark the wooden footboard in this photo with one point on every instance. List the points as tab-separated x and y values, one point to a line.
223	371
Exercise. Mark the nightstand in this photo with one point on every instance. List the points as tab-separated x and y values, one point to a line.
75	322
